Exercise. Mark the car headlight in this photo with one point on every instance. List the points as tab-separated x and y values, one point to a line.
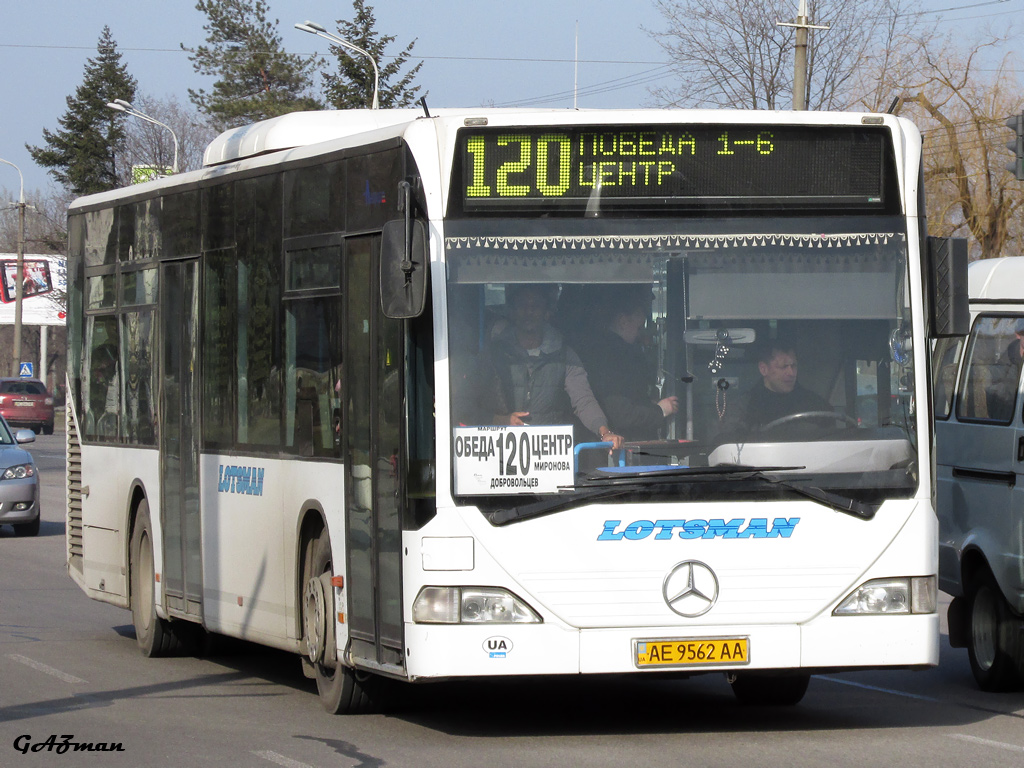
19	472
471	605
899	596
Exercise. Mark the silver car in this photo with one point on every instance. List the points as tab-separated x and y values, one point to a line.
19	482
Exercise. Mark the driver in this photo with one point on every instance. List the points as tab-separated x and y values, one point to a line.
778	395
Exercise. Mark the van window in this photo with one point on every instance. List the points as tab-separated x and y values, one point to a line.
945	356
988	388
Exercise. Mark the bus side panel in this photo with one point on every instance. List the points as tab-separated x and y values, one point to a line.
108	474
251	509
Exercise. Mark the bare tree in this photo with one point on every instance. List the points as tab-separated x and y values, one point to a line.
733	53
45	221
152	145
961	108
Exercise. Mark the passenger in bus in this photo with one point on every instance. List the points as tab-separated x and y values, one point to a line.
104	390
528	375
621	374
778	394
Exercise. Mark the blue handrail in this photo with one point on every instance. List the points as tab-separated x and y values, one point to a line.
594	446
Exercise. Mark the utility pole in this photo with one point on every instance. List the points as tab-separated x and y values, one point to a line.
802	24
19	288
19	270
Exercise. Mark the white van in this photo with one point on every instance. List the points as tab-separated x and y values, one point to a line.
980	464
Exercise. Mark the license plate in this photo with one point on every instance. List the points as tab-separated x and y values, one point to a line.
705	651
24	403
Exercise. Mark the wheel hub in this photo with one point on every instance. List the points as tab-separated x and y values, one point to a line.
983	629
313	618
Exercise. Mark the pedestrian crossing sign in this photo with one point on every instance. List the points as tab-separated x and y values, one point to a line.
27	371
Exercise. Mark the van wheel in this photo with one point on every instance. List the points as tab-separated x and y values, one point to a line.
992	637
342	690
768	689
155	636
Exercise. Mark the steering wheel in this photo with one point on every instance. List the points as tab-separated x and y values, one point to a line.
811	416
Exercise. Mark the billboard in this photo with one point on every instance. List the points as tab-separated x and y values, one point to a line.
37	278
38	307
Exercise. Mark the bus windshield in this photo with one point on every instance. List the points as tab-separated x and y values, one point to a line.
781	345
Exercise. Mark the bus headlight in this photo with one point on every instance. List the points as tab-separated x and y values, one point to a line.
471	605
891	596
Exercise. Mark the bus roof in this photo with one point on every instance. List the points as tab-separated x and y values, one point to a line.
996	278
302	134
300	129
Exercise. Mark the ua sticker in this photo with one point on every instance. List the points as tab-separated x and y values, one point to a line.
498	647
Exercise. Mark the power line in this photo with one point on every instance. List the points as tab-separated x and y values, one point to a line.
526	60
975	18
627	81
965	7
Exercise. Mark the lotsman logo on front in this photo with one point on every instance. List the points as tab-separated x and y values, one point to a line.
738	528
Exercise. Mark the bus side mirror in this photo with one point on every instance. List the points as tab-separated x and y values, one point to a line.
948	306
403	263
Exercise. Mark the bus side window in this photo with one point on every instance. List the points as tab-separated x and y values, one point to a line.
103	378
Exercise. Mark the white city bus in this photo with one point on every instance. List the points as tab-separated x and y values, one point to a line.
280	365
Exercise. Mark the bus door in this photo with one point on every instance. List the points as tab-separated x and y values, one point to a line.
179	438
372	427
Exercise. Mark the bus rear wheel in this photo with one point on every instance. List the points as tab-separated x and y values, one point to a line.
342	690
155	636
992	638
768	689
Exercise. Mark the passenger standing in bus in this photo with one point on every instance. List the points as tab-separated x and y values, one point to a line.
529	376
621	374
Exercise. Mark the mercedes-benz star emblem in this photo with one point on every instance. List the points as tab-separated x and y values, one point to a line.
690	589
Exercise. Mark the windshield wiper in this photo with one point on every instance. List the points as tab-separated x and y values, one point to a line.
735	470
558	503
602	487
850	506
865	510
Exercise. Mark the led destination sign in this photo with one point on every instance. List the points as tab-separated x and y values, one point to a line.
656	166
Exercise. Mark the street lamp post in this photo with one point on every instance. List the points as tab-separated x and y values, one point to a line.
120	105
320	31
20	205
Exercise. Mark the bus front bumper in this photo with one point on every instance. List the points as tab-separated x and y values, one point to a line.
825	644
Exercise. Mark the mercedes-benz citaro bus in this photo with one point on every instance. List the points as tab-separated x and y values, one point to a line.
358	389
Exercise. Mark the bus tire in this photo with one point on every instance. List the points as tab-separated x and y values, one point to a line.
343	690
154	635
992	636
769	689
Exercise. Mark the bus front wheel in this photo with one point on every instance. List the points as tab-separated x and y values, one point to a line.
992	637
342	690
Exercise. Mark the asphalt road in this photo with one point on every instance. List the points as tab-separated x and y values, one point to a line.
69	668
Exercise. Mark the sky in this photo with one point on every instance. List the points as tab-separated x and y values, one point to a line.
512	53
